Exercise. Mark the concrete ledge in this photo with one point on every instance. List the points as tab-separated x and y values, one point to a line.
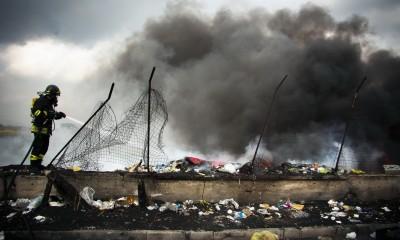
335	232
117	184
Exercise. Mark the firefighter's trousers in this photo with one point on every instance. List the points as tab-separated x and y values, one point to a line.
39	149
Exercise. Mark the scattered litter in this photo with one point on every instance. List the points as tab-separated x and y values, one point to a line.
247	212
297	206
386	209
264	235
228	168
300	214
354	220
231	201
347	208
127	201
162	208
351	235
373	235
40	218
9	216
392	169
56	204
87	195
273	208
21	203
263	211
264	205
357	171
332	203
217	207
338	214
338	222
151	208
239	215
323	170
34	203
104	205
75	168
154	195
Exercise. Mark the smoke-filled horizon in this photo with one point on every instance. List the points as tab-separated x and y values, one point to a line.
218	74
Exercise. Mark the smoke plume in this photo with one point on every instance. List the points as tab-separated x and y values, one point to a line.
219	73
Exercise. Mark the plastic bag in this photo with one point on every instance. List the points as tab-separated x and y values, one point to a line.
229	200
35	203
87	195
228	168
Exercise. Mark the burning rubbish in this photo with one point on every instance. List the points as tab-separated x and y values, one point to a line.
202	167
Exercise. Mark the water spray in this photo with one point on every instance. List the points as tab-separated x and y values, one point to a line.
75	120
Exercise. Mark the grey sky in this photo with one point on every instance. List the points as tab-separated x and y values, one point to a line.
73	20
85	22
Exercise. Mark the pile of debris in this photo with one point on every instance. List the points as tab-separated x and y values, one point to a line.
202	167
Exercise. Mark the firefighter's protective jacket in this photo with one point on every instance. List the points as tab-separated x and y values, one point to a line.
43	115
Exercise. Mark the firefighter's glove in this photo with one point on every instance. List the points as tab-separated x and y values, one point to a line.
51	115
60	115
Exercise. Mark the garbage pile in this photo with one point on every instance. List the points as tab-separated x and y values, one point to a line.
203	167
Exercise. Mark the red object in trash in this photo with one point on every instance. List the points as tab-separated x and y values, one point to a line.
194	161
217	163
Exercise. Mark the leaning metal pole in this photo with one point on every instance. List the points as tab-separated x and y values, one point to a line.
54	175
266	120
149	120
353	104
83	126
16	173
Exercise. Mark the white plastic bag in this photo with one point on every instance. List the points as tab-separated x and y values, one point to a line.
35	203
87	194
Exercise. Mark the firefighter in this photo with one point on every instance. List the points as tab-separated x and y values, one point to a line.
43	114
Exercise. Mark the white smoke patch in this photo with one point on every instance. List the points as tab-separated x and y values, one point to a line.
50	59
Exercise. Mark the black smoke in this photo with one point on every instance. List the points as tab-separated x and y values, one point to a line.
219	73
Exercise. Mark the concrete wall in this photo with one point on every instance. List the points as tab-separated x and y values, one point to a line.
112	185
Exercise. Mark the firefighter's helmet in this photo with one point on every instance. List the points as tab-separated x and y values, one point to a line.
52	90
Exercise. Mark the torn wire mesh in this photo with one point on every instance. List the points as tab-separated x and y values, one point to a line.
103	144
